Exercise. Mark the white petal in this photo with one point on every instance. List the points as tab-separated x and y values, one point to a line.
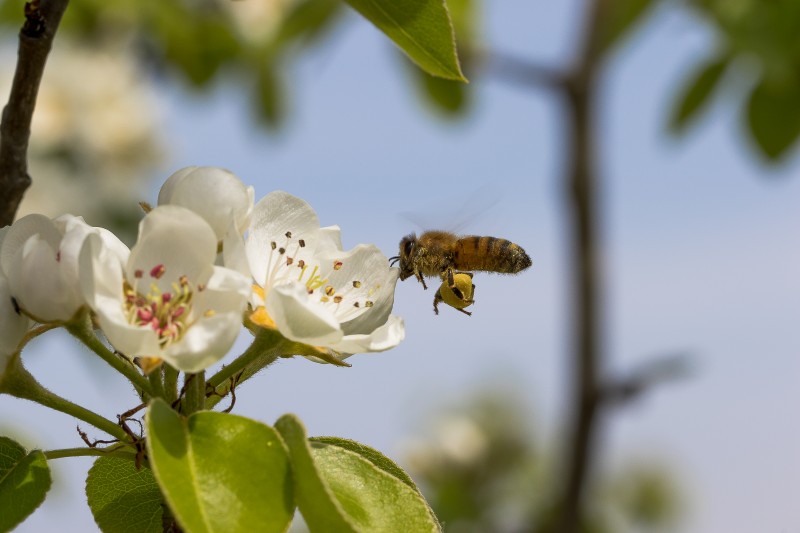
205	343
331	239
101	284
383	338
214	193
226	291
21	231
280	221
299	316
13	325
176	238
234	255
40	285
365	266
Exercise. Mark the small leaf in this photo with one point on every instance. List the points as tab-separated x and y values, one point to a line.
318	505
270	96
619	18
24	482
421	28
370	454
123	499
307	21
377	459
696	93
773	115
220	472
374	500
448	96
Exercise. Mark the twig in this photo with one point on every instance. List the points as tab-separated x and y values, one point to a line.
519	71
42	18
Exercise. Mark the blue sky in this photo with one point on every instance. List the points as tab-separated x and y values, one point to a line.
701	254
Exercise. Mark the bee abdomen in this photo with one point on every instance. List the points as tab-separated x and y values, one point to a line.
491	254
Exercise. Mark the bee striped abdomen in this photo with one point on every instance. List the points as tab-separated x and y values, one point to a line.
491	254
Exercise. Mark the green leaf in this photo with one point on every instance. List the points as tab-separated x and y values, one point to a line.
375	500
694	96
620	17
421	28
317	503
345	486
24	482
220	472
122	498
773	115
447	96
375	457
307	21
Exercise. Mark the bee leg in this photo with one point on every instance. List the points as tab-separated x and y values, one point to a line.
468	313
421	279
436	299
448	275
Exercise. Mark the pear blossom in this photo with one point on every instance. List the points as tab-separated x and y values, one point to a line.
214	193
39	257
308	288
168	301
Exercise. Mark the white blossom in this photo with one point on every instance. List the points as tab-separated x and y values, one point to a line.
168	301
311	290
39	256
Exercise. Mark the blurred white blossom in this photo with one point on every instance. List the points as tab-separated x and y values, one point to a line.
95	133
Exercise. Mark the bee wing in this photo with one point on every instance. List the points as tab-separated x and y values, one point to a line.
457	213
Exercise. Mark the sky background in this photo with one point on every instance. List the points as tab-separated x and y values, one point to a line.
701	254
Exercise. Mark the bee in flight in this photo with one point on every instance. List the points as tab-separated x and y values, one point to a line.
443	254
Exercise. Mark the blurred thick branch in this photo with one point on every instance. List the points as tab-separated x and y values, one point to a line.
582	207
42	18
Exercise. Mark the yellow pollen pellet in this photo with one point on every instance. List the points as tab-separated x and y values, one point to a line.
356	284
209	313
337	265
368	303
337	299
330	291
324	299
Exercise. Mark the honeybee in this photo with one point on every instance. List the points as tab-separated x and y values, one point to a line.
444	254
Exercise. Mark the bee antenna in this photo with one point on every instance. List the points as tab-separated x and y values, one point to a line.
394	260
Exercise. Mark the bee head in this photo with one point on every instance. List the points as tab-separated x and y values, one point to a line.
406	257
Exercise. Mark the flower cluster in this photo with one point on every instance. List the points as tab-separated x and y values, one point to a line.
206	260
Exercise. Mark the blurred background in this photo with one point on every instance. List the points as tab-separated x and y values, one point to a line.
699	113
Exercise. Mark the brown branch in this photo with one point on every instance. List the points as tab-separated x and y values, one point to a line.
519	71
582	206
35	40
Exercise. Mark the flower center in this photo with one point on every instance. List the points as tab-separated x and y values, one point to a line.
348	299
167	313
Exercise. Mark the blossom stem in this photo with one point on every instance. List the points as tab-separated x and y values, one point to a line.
195	393
84	333
20	383
267	346
170	383
117	450
156	381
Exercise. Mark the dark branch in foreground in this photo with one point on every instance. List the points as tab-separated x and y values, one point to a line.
42	18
